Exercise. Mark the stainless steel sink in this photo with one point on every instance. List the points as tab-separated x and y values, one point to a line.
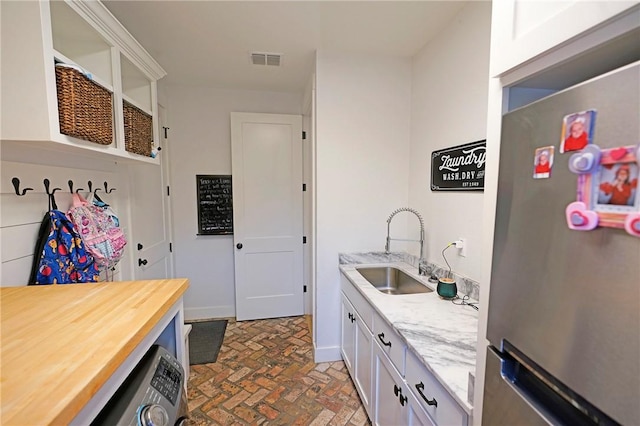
390	280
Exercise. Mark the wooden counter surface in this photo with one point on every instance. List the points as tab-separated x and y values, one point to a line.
60	343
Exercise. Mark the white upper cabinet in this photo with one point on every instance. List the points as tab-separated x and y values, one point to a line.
526	29
37	35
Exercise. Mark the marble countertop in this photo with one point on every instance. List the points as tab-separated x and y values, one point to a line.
443	335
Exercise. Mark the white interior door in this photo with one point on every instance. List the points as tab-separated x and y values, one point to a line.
267	214
151	221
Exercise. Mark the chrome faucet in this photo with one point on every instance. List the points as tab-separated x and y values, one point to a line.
422	264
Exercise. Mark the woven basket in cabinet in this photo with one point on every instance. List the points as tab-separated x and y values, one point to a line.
85	109
138	130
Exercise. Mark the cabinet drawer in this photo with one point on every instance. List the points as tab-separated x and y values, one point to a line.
360	304
444	409
390	342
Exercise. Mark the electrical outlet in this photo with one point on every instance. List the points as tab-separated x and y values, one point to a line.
461	245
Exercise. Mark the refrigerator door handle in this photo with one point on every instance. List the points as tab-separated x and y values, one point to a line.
551	399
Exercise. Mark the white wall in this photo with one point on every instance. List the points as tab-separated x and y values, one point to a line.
449	107
20	217
200	143
362	152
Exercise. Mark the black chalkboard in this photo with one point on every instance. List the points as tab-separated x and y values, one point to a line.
215	205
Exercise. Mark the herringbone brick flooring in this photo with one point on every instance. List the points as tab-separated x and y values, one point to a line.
265	375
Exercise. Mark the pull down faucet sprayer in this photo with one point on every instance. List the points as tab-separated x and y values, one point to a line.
422	266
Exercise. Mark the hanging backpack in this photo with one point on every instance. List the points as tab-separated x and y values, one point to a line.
102	238
60	256
97	201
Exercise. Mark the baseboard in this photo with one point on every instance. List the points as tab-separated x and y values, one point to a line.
194	314
326	354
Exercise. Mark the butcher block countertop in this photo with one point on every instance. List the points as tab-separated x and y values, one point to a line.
60	343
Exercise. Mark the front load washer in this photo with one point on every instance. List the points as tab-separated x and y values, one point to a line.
152	395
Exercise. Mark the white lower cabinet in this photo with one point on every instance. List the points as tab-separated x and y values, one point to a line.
356	351
363	376
395	387
389	404
417	416
348	348
433	398
394	404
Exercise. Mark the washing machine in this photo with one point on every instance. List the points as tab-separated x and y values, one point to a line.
152	395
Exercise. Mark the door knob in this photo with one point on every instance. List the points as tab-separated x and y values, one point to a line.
142	262
239	246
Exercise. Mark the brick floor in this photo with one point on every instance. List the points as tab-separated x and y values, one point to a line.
265	375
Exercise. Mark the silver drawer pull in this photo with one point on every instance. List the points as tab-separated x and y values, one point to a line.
420	388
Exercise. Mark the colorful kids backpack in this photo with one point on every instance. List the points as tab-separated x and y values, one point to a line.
97	228
60	256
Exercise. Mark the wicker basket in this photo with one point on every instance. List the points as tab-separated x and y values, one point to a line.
85	108
138	130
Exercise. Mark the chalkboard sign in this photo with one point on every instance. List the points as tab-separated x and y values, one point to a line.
215	205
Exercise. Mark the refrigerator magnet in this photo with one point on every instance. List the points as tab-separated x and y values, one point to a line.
577	130
607	189
543	162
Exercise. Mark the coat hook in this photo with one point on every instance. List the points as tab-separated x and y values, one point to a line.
46	187
106	186
71	187
90	186
16	185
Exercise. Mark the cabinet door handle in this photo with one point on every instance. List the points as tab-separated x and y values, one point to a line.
381	337
403	399
420	388
398	392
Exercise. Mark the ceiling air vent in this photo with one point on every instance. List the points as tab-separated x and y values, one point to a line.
271	59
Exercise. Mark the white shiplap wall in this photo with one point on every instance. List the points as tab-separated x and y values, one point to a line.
20	217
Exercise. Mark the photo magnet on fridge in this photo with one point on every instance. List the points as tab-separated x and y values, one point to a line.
577	130
607	189
543	162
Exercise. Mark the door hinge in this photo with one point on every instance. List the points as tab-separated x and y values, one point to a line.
304	240
304	187
304	135
170	247
168	191
304	288
165	131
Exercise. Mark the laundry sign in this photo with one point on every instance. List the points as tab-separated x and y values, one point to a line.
459	168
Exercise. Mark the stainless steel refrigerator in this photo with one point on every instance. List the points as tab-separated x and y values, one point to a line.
564	305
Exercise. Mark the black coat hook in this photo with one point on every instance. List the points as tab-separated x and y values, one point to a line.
71	187
46	187
16	185
90	186
106	188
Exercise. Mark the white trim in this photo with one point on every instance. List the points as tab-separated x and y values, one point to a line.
223	311
326	354
618	26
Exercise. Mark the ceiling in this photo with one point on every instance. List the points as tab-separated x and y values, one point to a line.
209	42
